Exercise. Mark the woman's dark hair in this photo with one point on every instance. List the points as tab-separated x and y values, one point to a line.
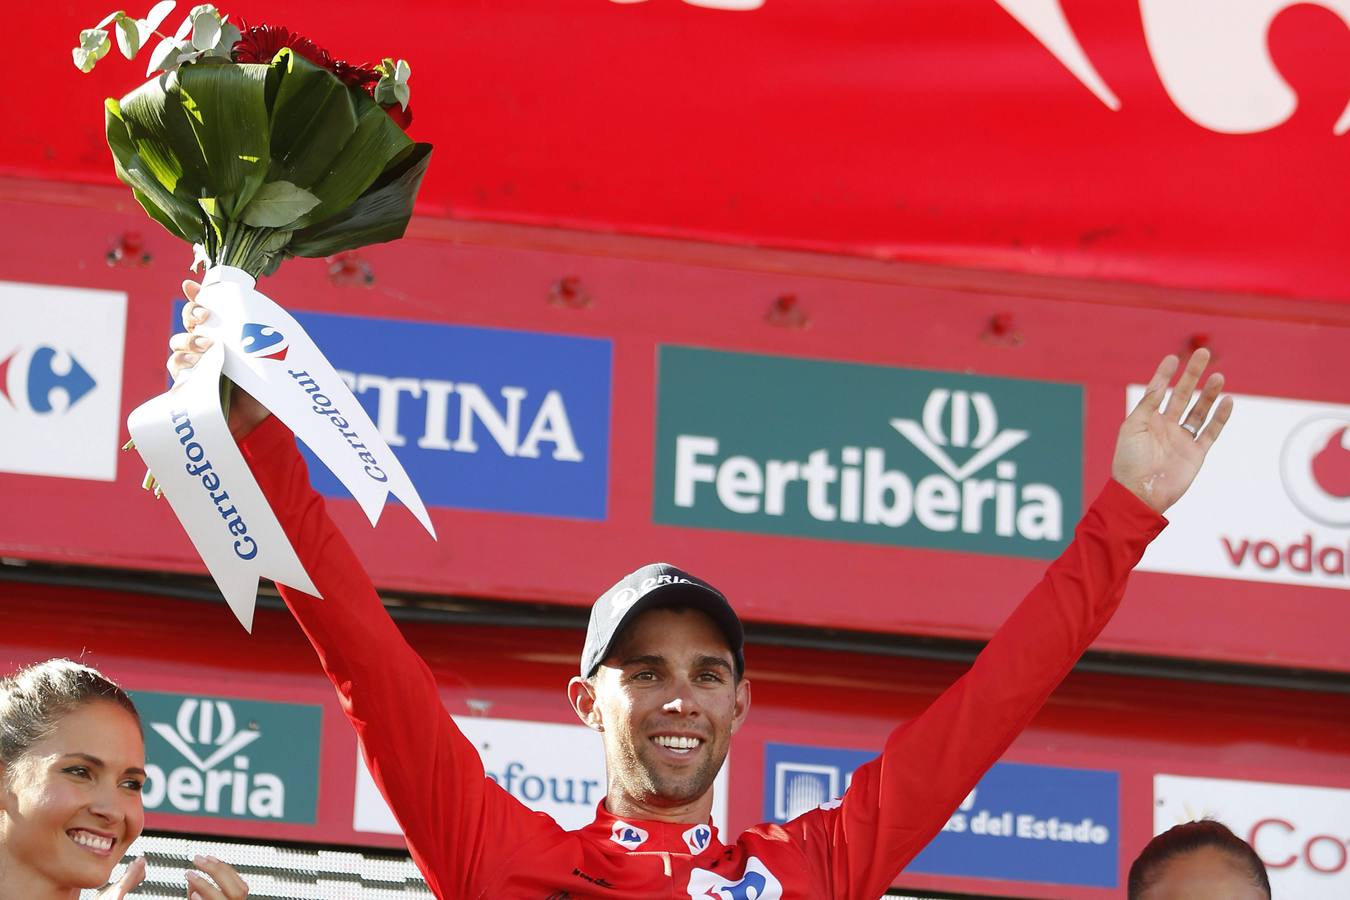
34	699
1189	837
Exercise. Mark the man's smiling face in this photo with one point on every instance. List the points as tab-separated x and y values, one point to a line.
668	701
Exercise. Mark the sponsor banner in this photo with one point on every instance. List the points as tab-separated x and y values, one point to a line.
60	380
554	769
1301	833
867	453
1043	824
1290	522
480	418
231	759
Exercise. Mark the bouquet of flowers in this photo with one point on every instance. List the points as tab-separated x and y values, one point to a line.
254	145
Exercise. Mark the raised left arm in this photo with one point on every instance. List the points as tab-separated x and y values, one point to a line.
897	803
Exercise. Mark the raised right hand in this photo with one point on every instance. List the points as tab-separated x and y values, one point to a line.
186	348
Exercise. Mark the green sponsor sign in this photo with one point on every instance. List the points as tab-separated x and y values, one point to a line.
231	759
862	453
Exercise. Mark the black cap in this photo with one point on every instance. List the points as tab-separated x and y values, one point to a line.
652	587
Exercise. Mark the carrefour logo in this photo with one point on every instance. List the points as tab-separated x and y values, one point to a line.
866	453
60	380
263	341
756	883
43	380
243	759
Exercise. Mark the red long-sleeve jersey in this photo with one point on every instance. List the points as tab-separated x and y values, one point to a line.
471	839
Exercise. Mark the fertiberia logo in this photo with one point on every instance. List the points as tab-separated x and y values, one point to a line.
225	758
867	453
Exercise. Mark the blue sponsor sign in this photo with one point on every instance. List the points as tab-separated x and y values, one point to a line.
481	418
1043	824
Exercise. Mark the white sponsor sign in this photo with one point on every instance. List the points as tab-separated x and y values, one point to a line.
60	380
551	768
1271	504
1301	833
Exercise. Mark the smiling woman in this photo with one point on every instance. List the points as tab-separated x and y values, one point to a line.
72	762
72	765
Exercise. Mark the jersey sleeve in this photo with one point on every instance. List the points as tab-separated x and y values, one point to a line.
456	821
898	802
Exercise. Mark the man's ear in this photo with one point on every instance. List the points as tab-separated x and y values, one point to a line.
742	704
582	694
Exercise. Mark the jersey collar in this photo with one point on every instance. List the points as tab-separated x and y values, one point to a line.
645	836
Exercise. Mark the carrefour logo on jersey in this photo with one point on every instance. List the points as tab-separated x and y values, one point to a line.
867	453
234	759
60	380
481	418
1041	824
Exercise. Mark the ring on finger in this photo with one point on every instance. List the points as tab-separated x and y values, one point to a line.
1194	430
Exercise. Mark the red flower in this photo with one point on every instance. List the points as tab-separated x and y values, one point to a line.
354	75
402	117
260	43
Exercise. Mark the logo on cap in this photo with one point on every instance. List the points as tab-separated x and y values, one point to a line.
1315	468
628	596
628	836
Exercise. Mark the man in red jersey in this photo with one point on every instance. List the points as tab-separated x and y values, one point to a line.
662	679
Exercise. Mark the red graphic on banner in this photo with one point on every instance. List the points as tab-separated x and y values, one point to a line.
1331	465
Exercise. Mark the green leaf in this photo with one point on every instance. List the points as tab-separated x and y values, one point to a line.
157	14
165	55
222	130
229	36
185	27
202	131
128	37
205	29
94	46
277	204
277	240
376	142
110	18
177	216
380	214
313	117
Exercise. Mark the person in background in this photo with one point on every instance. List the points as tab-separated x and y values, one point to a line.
1198	861
72	764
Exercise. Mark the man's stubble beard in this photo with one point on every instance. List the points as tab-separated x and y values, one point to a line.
642	778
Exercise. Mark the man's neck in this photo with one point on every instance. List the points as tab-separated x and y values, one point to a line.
623	806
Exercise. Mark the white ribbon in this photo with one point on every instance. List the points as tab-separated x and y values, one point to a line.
184	439
269	355
263	349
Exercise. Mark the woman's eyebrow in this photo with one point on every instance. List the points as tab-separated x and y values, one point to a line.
87	757
100	764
